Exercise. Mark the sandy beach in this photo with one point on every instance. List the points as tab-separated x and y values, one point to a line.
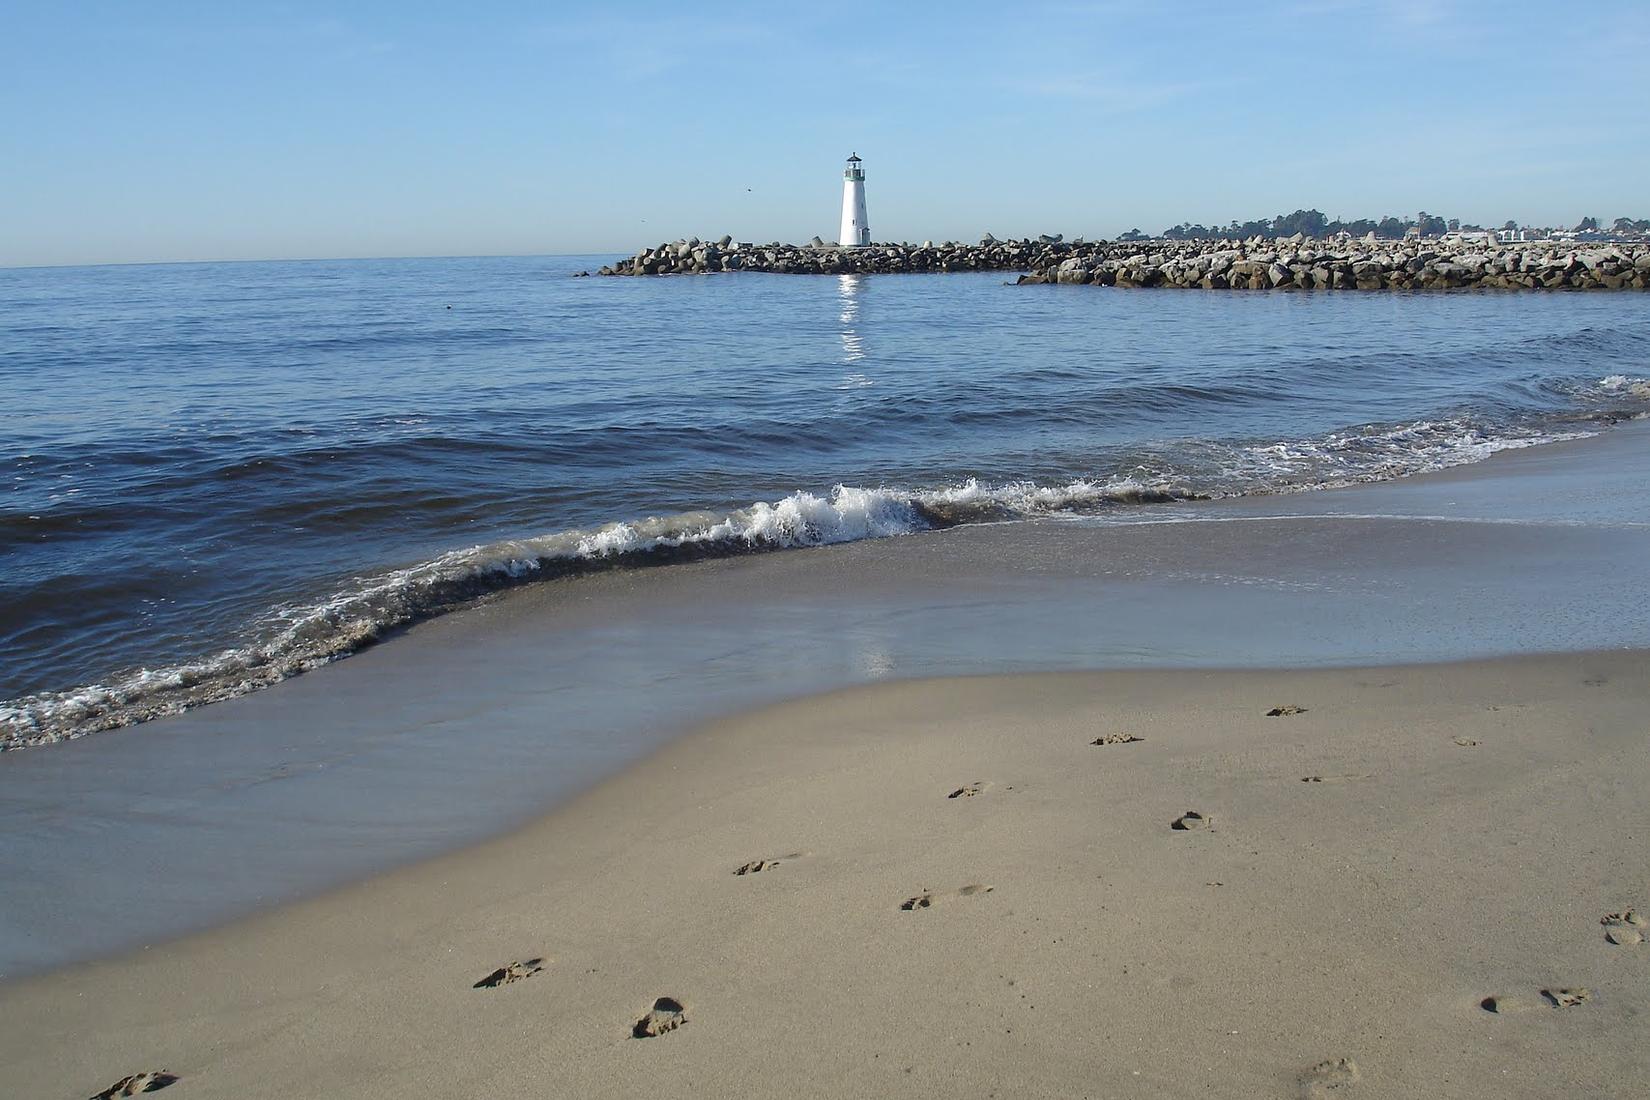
960	893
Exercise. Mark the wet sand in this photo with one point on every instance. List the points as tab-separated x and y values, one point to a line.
480	721
951	890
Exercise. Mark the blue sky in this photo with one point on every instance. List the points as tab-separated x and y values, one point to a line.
179	131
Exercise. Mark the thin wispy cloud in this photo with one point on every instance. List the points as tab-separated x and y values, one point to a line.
1091	9
330	36
1410	13
644	49
1112	94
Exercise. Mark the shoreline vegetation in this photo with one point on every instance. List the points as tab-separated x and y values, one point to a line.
1314	223
1258	263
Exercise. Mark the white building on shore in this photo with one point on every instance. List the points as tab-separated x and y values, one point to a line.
856	228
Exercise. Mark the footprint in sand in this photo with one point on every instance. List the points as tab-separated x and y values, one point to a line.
514	972
1566	998
757	866
1116	739
969	790
667	1014
929	898
1466	742
1550	998
1191	821
153	1081
1285	711
1625	928
1330	1078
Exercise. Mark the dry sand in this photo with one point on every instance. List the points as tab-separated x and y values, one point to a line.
959	894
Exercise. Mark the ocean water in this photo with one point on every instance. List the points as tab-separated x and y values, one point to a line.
220	475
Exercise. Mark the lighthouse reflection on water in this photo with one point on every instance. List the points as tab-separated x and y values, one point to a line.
848	289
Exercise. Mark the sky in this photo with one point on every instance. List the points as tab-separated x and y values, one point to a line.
170	131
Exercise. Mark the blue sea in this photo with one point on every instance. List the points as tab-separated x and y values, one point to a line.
221	475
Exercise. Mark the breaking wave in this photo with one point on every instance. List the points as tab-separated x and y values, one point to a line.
299	638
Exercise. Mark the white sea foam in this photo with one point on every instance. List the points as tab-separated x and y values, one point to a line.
1344	458
1626	385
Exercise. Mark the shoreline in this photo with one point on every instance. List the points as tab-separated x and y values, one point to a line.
345	771
1470	825
461	578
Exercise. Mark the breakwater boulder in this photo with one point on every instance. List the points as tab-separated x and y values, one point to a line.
1254	264
1299	263
695	257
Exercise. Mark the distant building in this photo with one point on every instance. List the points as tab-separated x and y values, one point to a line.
856	228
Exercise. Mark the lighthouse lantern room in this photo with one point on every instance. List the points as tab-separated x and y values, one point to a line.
856	230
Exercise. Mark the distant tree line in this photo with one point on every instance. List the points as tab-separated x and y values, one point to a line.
1314	223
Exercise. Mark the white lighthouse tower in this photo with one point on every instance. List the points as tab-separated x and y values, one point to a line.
856	230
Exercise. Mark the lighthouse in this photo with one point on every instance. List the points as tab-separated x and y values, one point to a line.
856	230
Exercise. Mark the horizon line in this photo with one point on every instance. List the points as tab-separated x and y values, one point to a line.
303	260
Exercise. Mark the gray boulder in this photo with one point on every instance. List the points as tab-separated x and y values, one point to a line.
1070	271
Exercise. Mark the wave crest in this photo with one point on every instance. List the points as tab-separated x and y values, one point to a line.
297	639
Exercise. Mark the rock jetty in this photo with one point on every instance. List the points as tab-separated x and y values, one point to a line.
1254	264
